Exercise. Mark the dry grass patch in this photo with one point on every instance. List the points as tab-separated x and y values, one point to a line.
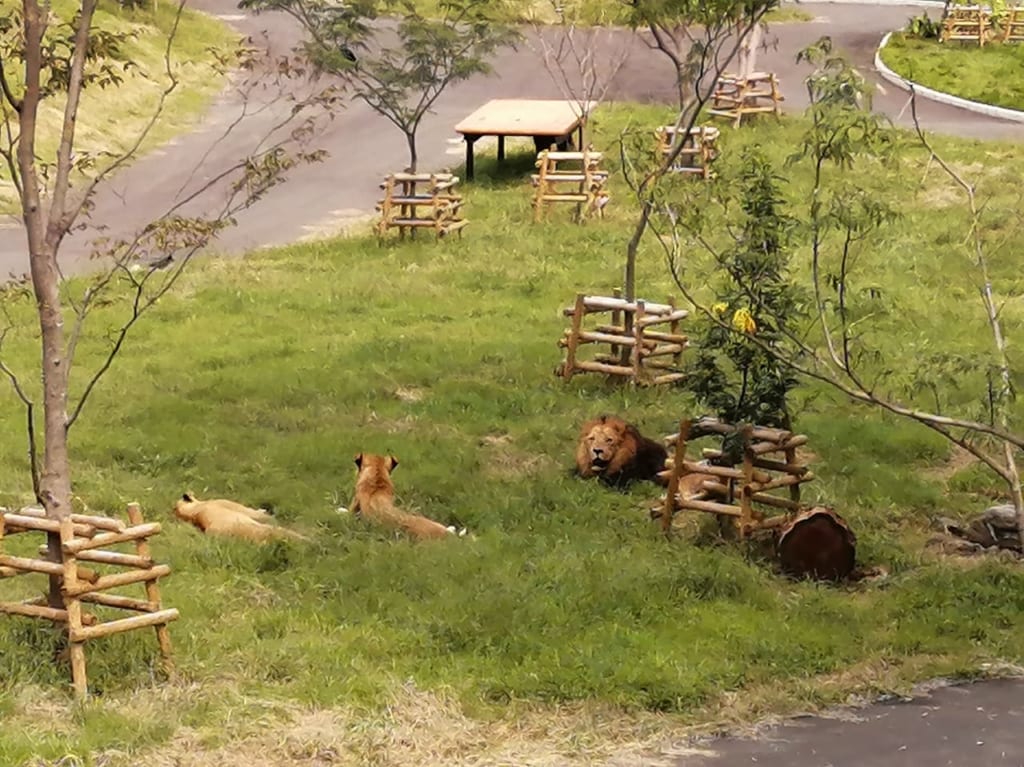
503	460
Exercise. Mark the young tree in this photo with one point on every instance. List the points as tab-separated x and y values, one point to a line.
742	382
701	39
835	348
582	60
46	58
398	69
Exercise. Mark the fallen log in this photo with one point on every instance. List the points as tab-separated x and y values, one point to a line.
818	544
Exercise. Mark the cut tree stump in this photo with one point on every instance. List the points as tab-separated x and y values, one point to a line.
817	544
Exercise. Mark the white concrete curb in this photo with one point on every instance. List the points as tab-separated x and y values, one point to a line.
1002	113
921	3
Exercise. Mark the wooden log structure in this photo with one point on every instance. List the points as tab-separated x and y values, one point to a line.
640	341
1013	25
967	24
415	201
575	177
697	151
101	523
736	96
741	491
84	539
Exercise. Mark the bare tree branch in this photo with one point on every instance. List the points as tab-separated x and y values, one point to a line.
55	225
5	89
30	424
582	63
1010	474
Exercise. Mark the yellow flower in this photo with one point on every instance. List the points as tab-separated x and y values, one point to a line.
719	308
743	321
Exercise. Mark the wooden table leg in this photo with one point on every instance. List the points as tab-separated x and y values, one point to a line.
501	148
470	140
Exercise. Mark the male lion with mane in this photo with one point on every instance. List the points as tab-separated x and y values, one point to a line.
617	453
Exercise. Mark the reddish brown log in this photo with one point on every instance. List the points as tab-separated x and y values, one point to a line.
818	544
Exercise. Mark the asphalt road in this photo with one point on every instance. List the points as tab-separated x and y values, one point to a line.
363	147
978	725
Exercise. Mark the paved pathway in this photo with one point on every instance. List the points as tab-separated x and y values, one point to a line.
364	147
979	725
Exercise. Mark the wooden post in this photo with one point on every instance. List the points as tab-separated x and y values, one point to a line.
76	647
673	328
586	187
574	337
542	185
638	336
142	550
669	509
616	321
794	489
746	490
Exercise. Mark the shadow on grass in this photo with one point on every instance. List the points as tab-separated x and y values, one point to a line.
513	171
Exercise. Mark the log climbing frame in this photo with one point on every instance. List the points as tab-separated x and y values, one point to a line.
573	177
737	490
642	340
83	577
966	24
737	96
420	201
699	148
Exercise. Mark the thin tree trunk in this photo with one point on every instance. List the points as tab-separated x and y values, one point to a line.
54	480
632	248
410	139
55	477
629	277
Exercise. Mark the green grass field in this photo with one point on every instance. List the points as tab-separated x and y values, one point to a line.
992	75
111	119
567	628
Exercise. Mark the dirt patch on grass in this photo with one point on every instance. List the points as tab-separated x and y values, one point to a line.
409	394
402	425
505	461
958	460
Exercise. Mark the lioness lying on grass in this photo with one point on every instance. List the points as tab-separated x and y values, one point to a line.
227	518
375	499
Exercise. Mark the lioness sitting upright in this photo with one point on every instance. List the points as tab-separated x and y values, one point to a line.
617	452
375	499
223	517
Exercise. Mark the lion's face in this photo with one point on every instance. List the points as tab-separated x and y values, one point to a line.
602	443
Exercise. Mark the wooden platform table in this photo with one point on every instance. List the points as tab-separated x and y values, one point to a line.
521	117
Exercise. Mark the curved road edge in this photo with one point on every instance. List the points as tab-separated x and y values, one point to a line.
1002	113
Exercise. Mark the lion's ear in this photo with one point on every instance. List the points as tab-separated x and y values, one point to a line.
359	460
188	498
394	462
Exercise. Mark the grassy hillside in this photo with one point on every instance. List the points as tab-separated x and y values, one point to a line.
110	119
566	628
